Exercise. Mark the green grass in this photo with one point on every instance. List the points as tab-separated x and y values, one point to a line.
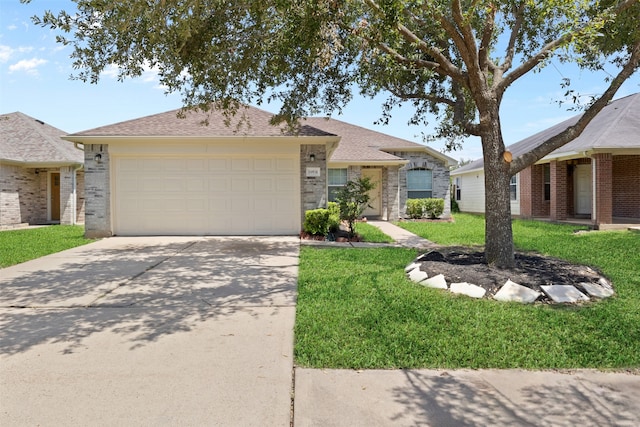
357	310
18	246
372	234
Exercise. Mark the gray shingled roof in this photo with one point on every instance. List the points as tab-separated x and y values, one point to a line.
248	121
617	126
24	139
361	144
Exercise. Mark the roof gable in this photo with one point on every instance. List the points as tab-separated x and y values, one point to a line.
24	139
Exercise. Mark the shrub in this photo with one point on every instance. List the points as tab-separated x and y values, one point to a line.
414	208
334	216
433	207
454	206
418	208
316	221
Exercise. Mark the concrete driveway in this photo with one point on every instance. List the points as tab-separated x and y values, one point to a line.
150	331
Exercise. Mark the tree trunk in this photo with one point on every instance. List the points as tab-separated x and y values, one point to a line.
499	249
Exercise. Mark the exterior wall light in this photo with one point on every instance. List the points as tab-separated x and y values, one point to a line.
98	158
312	157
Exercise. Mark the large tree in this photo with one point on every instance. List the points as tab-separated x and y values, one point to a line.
451	58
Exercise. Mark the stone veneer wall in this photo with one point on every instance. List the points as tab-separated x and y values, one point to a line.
441	188
314	189
97	189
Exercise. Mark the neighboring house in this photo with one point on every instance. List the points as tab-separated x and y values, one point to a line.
596	176
41	177
241	176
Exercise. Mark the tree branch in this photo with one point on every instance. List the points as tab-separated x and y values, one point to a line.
550	47
487	33
515	31
574	131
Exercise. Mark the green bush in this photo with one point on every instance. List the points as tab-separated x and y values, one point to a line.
418	208
316	221
414	208
334	216
454	206
433	207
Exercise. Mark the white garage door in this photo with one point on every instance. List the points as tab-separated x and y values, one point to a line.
216	195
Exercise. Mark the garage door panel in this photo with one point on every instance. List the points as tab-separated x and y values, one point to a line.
250	194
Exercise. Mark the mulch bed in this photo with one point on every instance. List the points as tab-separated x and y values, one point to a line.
462	264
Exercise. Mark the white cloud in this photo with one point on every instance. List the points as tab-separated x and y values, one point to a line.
30	66
5	53
12	27
111	71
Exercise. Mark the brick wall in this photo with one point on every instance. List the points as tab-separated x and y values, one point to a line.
314	189
80	196
626	186
603	186
525	193
558	203
97	191
539	206
23	195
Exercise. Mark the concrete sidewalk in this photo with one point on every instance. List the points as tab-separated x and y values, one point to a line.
336	398
150	331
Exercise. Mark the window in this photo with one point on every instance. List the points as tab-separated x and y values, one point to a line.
337	178
457	189
419	184
513	187
547	182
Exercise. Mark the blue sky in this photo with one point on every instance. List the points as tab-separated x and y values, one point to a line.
35	70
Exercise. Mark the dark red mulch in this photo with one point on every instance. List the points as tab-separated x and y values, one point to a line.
459	264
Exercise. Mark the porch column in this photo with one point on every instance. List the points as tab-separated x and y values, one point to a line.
602	183
526	206
67	195
558	203
97	187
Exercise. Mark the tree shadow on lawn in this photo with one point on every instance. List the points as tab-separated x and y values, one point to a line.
144	292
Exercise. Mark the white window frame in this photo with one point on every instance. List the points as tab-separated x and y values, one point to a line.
333	186
458	190
513	188
424	189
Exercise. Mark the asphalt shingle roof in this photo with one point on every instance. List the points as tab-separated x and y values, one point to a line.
27	140
249	121
356	143
617	126
361	144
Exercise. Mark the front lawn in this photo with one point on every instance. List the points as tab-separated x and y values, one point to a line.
18	246
356	309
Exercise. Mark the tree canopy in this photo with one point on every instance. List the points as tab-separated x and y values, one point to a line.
454	59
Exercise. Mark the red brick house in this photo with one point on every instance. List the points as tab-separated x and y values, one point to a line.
594	177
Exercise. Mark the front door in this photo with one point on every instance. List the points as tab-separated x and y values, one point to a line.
375	195
54	196
583	189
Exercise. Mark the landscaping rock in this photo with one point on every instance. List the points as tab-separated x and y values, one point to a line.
411	266
437	282
564	293
596	290
468	289
512	291
417	275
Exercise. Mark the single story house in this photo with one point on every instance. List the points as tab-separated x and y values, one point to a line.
241	175
595	177
41	176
